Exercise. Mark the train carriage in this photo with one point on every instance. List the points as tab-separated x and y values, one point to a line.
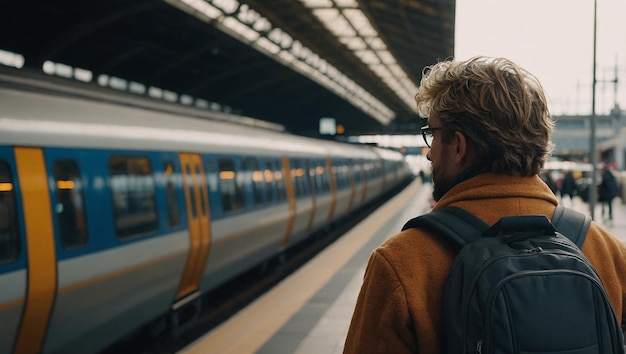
115	215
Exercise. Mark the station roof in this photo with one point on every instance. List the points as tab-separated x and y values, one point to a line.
177	46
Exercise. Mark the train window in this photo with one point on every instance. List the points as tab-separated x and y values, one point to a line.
341	175
304	178
375	171
343	171
170	194
379	168
316	177
269	181
349	173
367	170
230	187
251	166
316	181
9	240
371	170
335	172
309	168
212	176
132	186
297	174
69	210
325	177
280	182
356	167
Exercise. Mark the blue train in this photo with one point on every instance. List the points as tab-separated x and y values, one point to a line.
114	215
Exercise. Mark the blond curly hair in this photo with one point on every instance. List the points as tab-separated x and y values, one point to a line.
500	107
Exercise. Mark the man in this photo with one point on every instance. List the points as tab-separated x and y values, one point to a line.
489	133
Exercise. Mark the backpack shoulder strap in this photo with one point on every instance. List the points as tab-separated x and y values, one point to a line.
460	226
572	224
455	224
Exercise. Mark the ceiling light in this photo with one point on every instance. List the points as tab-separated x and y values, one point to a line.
228	6
11	59
334	22
353	43
386	57
244	23
396	70
367	56
347	3
268	45
240	29
280	37
286	56
318	3
360	22
376	43
347	10
198	8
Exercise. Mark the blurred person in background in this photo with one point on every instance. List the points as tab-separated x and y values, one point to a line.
568	187
607	191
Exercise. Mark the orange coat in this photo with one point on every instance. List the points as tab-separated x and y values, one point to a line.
399	309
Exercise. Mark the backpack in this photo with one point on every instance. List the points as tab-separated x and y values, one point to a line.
522	287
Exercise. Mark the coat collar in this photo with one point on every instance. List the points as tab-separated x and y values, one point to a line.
490	185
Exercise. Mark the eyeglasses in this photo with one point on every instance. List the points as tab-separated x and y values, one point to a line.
427	134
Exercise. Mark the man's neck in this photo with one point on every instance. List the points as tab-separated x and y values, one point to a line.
465	175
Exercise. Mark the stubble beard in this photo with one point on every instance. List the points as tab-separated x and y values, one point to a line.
441	185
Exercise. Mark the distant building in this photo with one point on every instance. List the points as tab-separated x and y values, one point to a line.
572	137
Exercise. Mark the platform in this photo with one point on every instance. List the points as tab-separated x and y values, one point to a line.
310	311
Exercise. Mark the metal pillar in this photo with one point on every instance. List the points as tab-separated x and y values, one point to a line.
592	145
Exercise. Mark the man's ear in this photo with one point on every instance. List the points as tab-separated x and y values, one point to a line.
461	147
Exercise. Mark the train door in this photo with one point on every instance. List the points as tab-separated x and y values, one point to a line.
197	201
40	282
